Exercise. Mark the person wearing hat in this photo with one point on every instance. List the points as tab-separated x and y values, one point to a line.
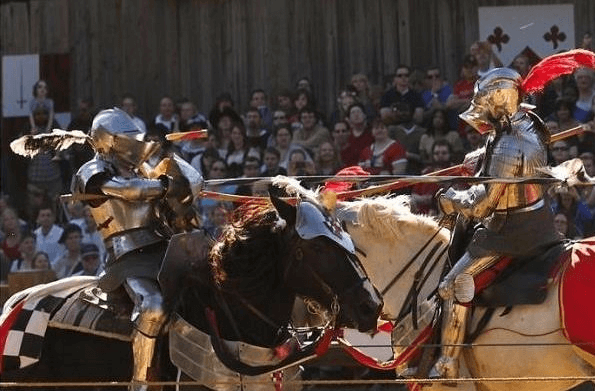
90	261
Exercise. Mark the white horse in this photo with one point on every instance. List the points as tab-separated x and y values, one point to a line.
526	342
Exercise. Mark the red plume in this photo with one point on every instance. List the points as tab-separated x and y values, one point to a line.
338	187
555	66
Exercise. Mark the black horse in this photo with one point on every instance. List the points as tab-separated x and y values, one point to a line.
248	284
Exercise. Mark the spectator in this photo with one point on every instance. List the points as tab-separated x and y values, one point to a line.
202	163
191	118
299	165
567	201
238	150
257	134
561	225
360	135
41	101
91	261
485	56
560	152
48	234
41	261
44	173
340	135
408	134
303	98
327	161
585	83
285	101
423	194
217	219
250	169
552	92
521	64
271	167
438	129
310	135
128	104
279	118
12	234
283	143
304	84
27	254
462	92
258	101
167	119
218	170
222	102
436	93
384	156
587	41
362	87
588	192
473	139
400	92
69	262
347	97
225	121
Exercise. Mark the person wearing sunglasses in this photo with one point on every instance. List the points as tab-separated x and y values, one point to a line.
401	92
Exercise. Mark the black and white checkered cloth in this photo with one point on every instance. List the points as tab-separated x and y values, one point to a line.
24	337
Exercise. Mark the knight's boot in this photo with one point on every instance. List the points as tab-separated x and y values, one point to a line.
143	349
453	335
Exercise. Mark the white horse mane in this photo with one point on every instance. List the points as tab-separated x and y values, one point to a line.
386	216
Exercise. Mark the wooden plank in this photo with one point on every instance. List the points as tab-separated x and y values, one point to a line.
15	31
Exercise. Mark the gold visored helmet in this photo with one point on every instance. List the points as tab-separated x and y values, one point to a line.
497	94
114	134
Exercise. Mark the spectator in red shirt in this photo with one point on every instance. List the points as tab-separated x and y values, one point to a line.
384	156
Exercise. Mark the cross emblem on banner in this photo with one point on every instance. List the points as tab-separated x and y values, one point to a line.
498	38
554	35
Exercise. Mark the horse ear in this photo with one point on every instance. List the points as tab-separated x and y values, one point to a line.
286	211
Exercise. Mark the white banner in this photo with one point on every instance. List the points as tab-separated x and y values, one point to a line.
19	74
543	29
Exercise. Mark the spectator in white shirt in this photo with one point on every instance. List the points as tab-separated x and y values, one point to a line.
48	234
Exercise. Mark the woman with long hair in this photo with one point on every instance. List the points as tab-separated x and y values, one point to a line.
327	160
384	156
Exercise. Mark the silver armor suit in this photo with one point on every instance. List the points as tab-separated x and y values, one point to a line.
127	202
516	221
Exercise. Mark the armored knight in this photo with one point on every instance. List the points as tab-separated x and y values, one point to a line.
137	209
514	220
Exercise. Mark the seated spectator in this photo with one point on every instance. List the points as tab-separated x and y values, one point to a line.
559	152
310	134
91	264
485	56
360	82
283	143
225	121
588	192
271	167
462	91
237	150
568	202
257	135
128	104
250	169
299	165
436	92
12	234
347	97
41	261
384	156
360	135
167	120
202	163
217	219
474	139
423	194
561	225
284	101
585	82
27	253
258	101
439	129
218	170
340	135
280	117
408	134
48	234
302	98
400	92
191	118
223	102
70	260
90	233
327	161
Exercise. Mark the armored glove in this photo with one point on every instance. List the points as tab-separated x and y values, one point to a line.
445	203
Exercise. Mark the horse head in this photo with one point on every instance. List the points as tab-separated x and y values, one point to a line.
321	264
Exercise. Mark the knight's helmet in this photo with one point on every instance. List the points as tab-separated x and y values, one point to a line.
497	95
117	138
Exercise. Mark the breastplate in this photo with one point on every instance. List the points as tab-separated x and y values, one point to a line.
117	216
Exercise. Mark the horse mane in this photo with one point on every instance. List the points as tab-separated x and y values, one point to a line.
386	216
244	259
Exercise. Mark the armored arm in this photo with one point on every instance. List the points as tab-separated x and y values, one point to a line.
135	189
481	200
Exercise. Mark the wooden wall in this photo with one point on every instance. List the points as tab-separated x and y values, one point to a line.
200	48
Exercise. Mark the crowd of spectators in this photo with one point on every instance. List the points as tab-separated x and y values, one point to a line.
409	127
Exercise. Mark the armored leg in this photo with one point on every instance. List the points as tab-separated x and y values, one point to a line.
457	287
149	318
